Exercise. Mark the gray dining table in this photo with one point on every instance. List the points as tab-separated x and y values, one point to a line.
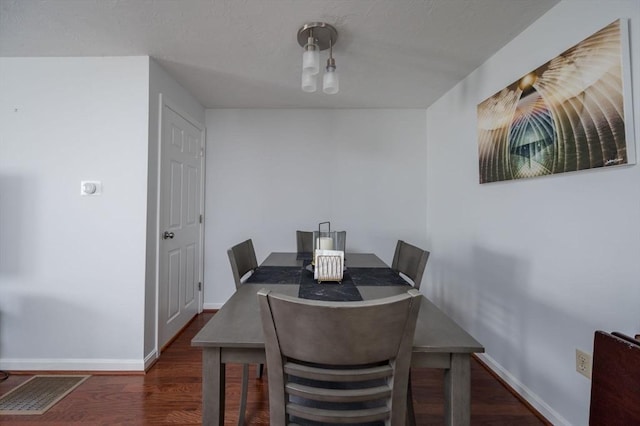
234	335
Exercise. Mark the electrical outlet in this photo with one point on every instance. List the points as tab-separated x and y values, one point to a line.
583	363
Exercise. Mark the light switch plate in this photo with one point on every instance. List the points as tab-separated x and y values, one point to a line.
90	187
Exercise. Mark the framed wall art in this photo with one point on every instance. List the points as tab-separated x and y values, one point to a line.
572	113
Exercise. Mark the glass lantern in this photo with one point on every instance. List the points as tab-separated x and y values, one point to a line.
324	239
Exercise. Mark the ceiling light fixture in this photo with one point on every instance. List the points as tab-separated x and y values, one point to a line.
315	37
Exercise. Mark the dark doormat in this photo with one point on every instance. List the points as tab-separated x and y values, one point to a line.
38	394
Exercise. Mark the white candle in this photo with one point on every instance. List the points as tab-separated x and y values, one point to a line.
324	243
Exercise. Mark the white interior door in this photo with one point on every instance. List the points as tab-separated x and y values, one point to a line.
180	224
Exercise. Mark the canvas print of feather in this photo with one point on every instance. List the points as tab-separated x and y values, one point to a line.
572	113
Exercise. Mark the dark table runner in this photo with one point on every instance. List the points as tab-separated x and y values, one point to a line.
275	275
345	291
376	277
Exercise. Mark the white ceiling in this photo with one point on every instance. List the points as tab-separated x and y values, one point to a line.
244	53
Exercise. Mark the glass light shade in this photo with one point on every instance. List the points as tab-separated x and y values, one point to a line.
311	60
308	82
330	82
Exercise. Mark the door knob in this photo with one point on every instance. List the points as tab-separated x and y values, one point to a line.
167	235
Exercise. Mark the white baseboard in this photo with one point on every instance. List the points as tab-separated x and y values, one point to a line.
150	359
536	402
72	364
212	305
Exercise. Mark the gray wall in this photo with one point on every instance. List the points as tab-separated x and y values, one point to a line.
272	171
77	274
71	266
531	268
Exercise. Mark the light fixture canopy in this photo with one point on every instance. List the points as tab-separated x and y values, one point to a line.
315	37
324	34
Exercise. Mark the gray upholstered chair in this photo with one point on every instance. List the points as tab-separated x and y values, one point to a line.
304	241
411	261
243	260
338	362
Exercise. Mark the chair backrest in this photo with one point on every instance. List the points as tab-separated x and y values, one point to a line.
341	240
243	259
346	361
411	261
304	241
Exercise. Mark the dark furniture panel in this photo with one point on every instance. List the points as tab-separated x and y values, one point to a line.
615	385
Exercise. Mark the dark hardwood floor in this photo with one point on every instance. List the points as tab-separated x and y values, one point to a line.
169	394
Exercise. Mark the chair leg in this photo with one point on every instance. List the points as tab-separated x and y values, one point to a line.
260	368
243	394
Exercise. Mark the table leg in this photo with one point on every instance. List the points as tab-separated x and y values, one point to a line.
411	415
243	394
213	375
457	385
